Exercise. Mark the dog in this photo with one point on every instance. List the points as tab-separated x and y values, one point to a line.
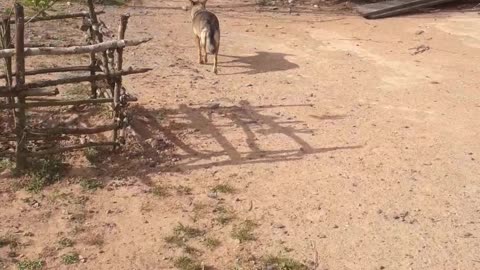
206	29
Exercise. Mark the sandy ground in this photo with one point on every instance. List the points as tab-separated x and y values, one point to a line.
343	146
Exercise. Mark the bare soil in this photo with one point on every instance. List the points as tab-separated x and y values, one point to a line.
327	139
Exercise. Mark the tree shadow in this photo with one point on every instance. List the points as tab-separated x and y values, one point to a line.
191	138
261	62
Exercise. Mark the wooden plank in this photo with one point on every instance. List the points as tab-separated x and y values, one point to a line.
52	70
31	93
71	148
57	103
79	79
395	7
72	131
59	16
100	47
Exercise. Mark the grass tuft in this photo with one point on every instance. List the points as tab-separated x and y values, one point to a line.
91	184
182	234
283	263
212	243
244	231
45	172
187	263
30	265
70	258
65	242
223	188
183	190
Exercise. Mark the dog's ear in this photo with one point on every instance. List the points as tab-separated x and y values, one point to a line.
192	2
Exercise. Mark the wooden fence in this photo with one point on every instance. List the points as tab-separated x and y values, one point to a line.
106	64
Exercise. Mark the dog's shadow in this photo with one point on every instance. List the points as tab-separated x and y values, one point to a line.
261	62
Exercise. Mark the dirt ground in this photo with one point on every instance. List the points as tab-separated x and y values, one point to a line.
325	139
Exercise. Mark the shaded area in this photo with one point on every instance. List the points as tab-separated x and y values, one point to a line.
190	138
261	62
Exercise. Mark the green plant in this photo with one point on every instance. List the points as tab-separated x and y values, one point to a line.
65	242
191	250
186	263
282	263
224	215
175	240
70	258
5	164
56	196
223	188
79	216
181	235
211	243
199	210
92	155
45	172
39	4
7	11
160	191
183	190
30	265
77	229
244	231
187	231
90	184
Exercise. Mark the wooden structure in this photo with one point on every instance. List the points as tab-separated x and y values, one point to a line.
106	64
395	7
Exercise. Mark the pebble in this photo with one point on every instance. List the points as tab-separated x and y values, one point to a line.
214	106
212	195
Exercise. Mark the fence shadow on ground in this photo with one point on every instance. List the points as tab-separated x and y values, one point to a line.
213	136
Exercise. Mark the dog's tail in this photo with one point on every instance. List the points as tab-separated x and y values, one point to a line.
208	37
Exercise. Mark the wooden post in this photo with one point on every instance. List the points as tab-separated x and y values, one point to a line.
95	29
7	44
20	118
93	65
111	69
118	116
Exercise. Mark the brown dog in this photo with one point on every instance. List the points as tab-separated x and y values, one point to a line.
206	29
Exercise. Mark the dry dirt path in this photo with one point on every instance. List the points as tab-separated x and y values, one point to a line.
342	145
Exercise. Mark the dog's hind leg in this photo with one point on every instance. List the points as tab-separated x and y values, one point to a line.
217	48
204	42
215	63
197	41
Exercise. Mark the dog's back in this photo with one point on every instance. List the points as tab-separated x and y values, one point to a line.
207	28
